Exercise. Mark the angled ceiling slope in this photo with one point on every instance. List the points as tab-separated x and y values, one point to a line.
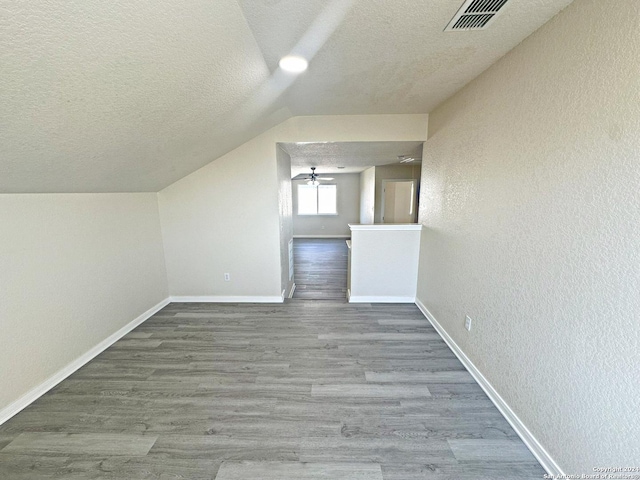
132	96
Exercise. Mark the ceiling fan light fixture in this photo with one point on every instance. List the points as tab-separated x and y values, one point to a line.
313	178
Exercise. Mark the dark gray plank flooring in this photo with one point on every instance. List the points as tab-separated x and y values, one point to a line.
301	390
320	268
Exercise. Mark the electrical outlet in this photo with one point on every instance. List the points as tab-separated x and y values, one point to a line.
322	227
467	323
227	277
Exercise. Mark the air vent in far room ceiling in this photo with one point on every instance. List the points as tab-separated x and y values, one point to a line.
475	15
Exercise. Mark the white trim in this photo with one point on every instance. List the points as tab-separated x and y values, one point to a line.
378	299
227	299
39	390
538	451
293	289
322	236
386	226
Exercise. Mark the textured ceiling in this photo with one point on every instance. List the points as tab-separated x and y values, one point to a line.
353	156
131	96
384	56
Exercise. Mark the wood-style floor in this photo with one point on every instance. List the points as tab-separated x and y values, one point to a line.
303	390
320	267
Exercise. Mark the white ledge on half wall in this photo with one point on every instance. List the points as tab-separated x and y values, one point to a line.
386	226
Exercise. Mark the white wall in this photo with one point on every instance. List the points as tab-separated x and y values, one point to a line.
348	206
530	199
285	209
367	195
74	269
392	172
384	263
225	216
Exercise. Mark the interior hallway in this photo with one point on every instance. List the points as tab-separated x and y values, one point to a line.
301	390
320	268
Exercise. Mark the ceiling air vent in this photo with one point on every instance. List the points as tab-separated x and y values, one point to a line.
475	15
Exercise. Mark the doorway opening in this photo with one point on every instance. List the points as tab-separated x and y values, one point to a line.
320	268
399	201
327	186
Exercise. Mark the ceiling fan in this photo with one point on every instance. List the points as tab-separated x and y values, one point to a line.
312	178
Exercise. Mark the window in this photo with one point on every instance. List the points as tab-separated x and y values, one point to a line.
317	200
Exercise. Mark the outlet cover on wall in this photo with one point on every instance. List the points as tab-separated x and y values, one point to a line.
467	322
227	277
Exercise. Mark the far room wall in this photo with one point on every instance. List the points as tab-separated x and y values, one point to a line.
348	199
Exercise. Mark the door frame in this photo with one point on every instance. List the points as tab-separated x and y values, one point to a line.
414	199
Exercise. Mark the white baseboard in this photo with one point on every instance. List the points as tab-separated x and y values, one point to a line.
322	236
227	299
36	392
547	462
378	299
293	289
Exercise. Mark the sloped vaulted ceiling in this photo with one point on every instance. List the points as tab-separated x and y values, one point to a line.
131	96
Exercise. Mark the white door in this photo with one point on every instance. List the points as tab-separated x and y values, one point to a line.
398	201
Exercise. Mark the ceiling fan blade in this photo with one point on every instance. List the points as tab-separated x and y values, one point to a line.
301	176
325	178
